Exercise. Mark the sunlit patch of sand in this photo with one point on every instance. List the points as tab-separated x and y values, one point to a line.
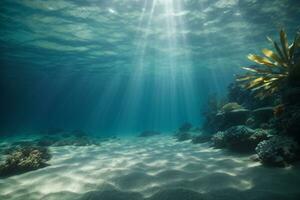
150	168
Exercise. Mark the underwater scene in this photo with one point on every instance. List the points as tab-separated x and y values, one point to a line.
149	99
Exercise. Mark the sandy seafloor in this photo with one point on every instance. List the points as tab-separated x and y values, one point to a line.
156	168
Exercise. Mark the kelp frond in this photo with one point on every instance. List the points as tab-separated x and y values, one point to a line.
273	69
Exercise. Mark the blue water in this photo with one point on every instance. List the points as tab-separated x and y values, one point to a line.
121	67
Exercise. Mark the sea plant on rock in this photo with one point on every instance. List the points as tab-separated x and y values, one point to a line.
275	70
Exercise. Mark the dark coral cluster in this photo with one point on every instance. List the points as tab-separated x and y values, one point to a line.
260	114
272	131
278	151
27	155
24	159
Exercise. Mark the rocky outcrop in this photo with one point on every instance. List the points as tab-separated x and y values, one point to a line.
239	138
23	160
263	115
278	151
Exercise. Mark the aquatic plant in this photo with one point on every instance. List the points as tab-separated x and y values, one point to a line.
275	69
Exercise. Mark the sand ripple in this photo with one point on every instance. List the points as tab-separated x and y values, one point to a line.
155	168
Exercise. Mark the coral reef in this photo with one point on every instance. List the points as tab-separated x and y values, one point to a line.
262	104
209	125
218	140
239	138
288	122
262	115
24	159
246	98
278	151
225	120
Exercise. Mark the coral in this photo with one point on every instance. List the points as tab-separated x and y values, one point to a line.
239	138
209	112
275	70
218	140
260	135
225	120
277	151
230	107
244	97
288	122
263	115
24	159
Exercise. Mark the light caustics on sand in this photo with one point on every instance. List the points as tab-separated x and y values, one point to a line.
145	166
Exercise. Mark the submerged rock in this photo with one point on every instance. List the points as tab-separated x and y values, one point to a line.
23	160
244	139
148	133
225	120
239	138
289	122
218	140
262	115
278	151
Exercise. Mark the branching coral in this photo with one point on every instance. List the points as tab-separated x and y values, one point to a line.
274	69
